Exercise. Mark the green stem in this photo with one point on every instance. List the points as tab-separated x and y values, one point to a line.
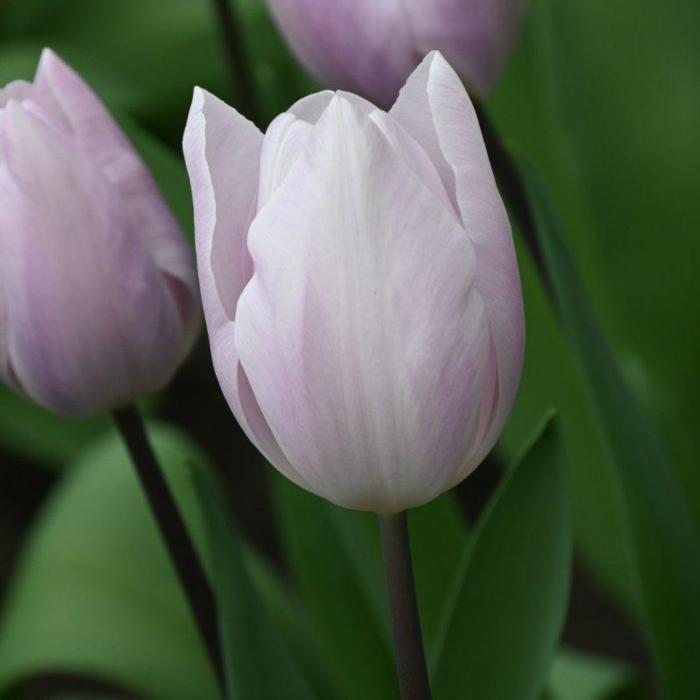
174	533
411	668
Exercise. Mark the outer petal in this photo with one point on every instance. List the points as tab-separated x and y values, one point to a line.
90	322
361	332
364	46
61	91
477	36
222	151
435	109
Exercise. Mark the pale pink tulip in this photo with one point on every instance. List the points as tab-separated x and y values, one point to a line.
360	287
98	292
371	46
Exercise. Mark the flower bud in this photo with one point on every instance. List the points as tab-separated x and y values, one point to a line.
98	292
360	287
371	46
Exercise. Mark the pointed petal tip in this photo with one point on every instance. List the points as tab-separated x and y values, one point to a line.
50	63
48	55
199	98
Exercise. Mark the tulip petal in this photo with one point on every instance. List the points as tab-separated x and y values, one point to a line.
283	142
361	331
222	151
476	37
359	45
414	156
311	107
17	90
80	286
108	147
435	110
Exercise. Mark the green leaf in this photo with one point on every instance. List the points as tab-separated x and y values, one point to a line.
257	661
510	599
95	593
666	542
343	612
438	532
576	676
291	617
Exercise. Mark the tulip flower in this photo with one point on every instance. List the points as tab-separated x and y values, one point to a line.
98	293
360	287
371	46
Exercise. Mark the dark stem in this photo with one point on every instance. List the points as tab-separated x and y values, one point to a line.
513	190
241	74
411	668
174	533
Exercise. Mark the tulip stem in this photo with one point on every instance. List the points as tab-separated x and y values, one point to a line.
513	190
174	534
241	74
411	668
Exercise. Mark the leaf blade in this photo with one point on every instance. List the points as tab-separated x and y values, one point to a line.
666	541
257	662
510	600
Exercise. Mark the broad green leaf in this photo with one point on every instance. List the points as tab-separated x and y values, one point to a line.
438	532
257	661
666	541
95	594
342	614
576	676
510	598
291	617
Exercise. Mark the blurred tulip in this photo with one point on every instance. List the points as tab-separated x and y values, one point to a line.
98	293
371	46
360	287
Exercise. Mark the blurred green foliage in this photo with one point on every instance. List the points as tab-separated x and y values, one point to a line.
95	593
664	535
603	98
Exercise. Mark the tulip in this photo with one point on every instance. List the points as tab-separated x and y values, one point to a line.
360	287
371	46
98	292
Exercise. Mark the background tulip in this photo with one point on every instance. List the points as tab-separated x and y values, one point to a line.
371	46
360	287
98	299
